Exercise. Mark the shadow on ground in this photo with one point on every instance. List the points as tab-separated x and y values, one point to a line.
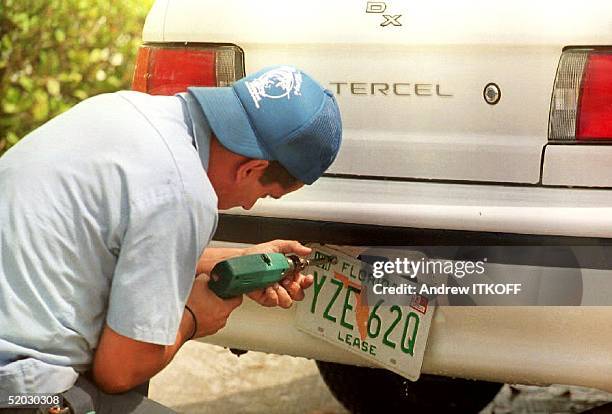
296	397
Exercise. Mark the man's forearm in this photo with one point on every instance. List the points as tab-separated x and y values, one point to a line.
185	330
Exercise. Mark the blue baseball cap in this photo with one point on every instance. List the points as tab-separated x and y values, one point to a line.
279	113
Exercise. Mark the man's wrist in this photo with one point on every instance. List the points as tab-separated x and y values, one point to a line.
194	328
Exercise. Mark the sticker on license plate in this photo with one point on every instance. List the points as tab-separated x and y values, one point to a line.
336	309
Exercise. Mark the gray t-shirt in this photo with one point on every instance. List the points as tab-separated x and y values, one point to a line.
104	212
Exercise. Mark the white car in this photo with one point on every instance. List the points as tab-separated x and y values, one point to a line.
465	123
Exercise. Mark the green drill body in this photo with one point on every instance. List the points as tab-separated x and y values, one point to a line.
244	274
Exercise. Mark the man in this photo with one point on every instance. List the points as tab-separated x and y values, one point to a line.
105	214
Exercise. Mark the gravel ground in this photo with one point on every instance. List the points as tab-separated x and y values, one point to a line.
205	379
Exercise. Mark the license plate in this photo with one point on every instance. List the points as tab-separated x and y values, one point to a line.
336	310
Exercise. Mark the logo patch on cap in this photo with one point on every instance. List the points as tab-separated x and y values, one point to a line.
277	83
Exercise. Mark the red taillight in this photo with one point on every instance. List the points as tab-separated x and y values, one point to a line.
595	106
581	107
166	70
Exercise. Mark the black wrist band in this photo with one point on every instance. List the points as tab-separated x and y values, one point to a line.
195	323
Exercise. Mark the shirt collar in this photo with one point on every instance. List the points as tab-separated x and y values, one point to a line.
197	126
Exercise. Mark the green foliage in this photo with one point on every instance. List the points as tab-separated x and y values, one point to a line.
55	53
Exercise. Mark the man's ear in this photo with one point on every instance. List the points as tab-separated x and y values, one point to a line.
251	169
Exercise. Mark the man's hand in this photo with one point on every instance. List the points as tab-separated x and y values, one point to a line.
210	310
292	286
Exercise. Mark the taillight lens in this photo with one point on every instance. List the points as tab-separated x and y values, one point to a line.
581	107
595	105
168	69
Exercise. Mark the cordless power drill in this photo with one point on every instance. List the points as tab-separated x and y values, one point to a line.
244	274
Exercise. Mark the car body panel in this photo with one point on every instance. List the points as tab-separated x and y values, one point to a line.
521	22
412	95
578	165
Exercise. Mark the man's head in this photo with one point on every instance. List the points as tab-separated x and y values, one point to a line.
275	130
240	181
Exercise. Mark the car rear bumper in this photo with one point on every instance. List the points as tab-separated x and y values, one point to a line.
526	345
527	210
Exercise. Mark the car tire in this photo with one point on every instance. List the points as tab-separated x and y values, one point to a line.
370	390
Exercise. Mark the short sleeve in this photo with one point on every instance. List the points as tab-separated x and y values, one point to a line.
163	240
